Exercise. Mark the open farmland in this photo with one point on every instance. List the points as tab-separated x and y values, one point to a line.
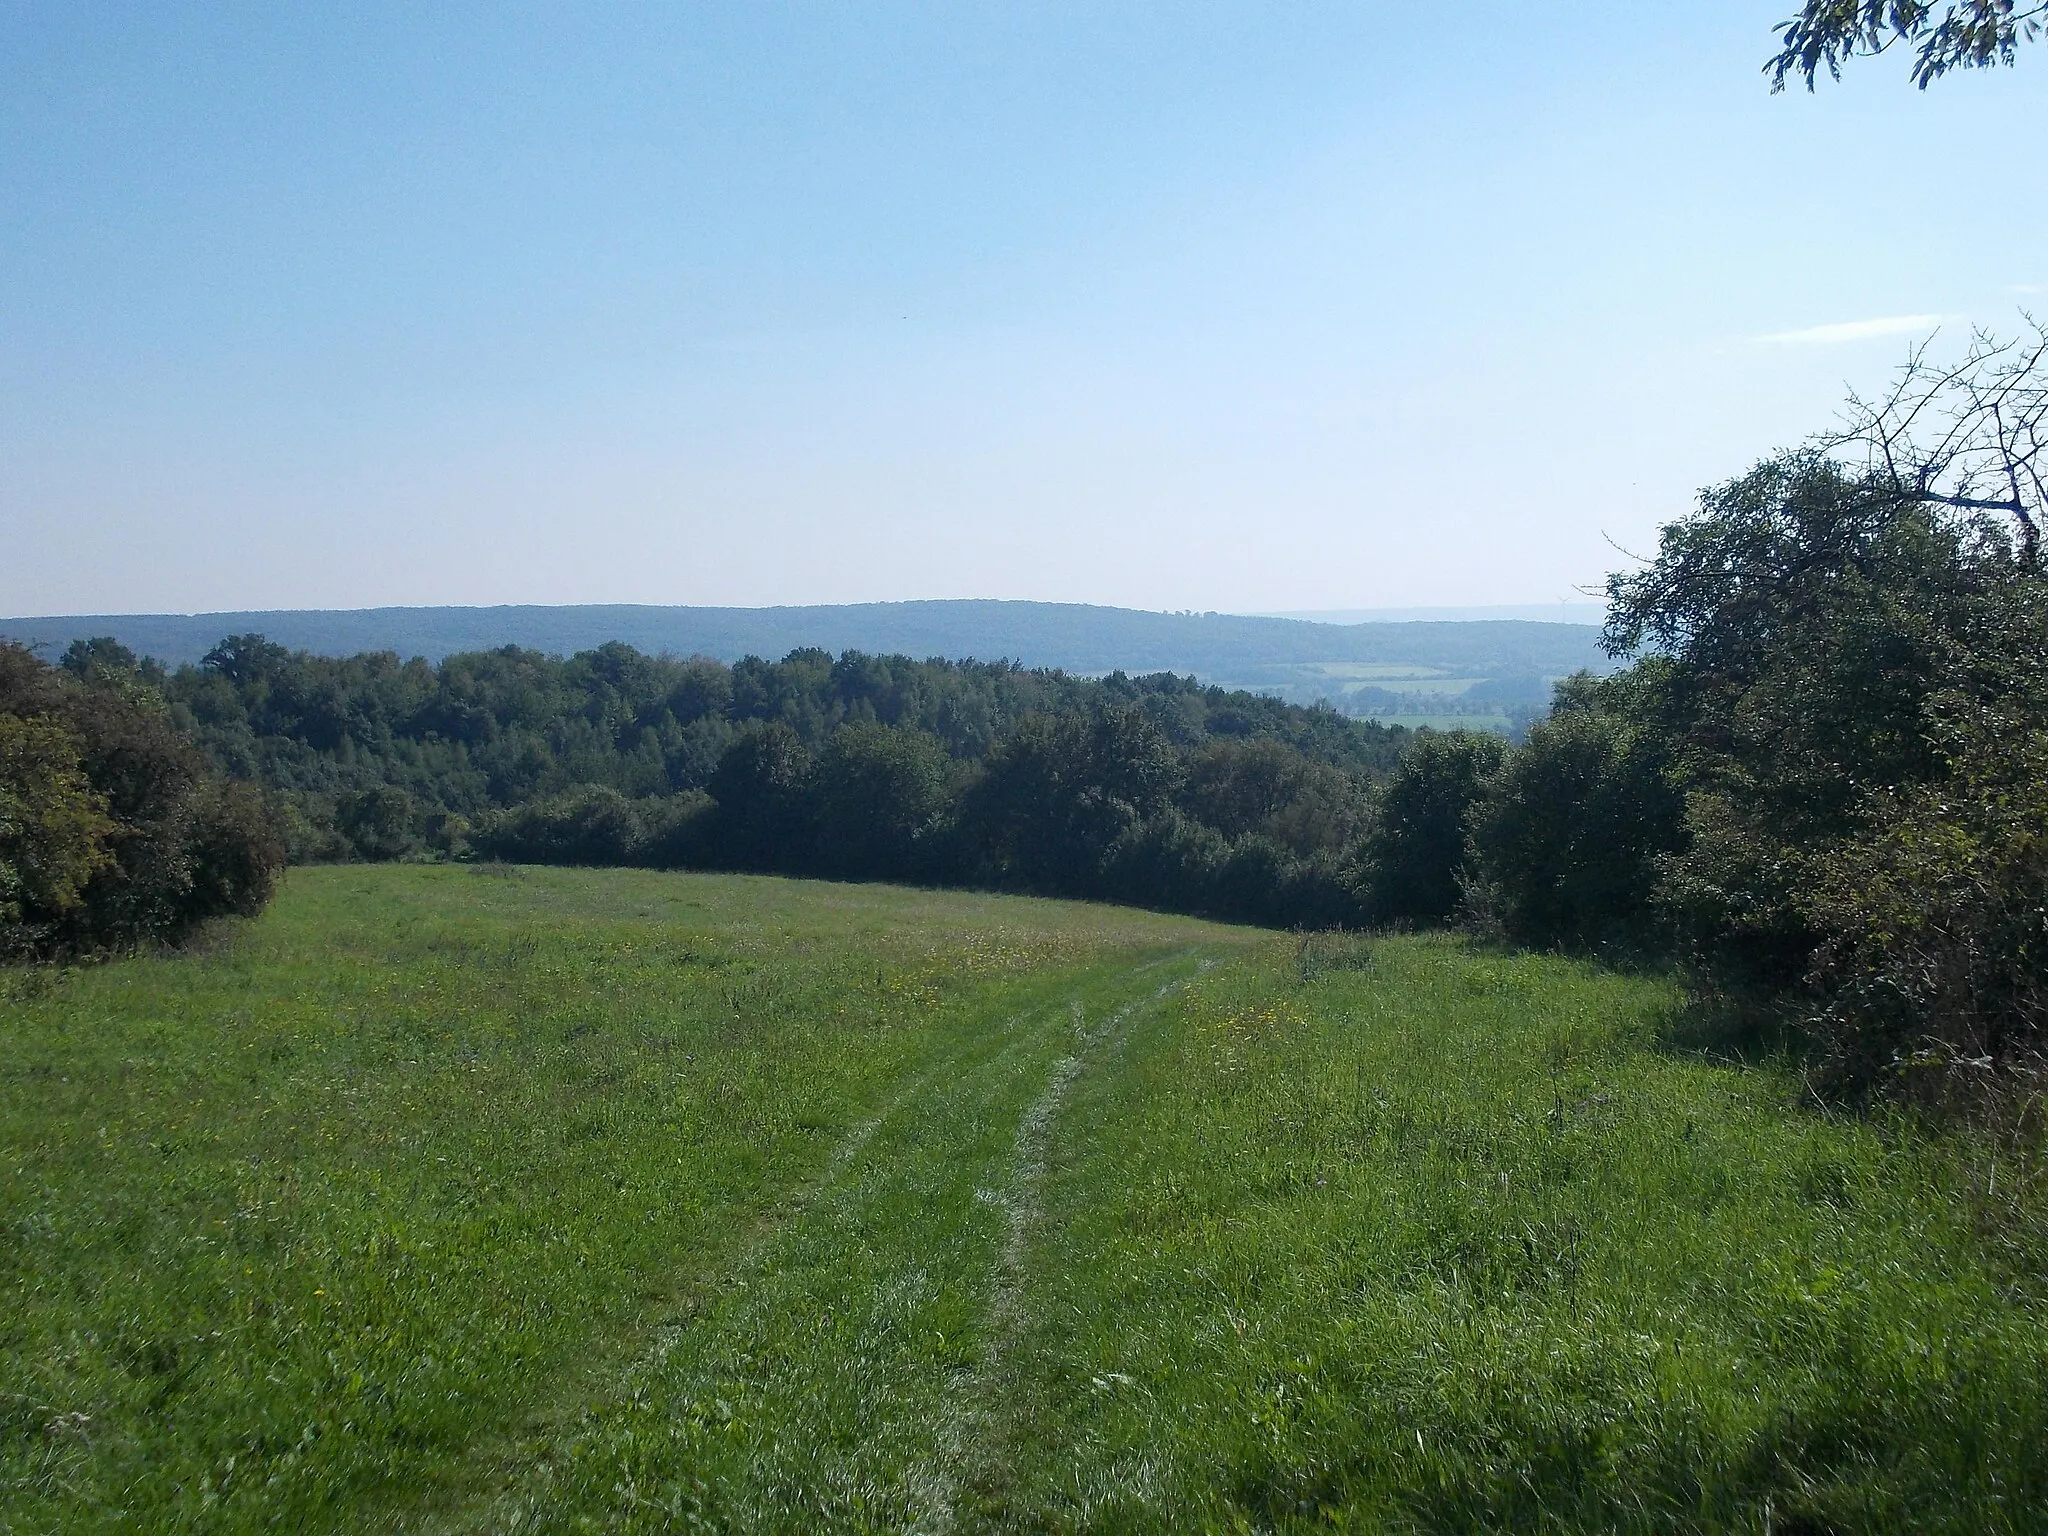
447	1199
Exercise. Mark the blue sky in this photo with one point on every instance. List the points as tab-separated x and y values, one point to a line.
1195	306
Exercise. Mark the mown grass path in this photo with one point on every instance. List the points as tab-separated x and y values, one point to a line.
552	1201
832	1381
349	1223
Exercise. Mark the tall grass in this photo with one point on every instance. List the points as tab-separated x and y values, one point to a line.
299	1229
1421	1238
605	1200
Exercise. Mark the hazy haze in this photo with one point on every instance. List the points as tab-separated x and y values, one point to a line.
1343	306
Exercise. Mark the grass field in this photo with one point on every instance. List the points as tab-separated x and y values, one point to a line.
1500	725
454	1200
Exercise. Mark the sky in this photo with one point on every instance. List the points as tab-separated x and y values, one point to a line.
1196	306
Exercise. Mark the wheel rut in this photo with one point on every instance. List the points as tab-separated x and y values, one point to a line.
846	1367
977	1408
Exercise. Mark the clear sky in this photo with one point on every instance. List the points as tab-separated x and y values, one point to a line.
1230	305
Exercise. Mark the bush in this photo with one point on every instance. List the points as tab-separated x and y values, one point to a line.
673	830
54	827
116	832
1805	621
1569	835
1169	862
1847	681
1933	928
596	826
591	825
237	852
1415	855
378	824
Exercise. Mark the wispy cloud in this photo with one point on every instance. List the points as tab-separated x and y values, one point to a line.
2026	287
1859	330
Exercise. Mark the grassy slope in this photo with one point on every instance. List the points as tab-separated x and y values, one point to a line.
1436	1240
613	1200
312	1219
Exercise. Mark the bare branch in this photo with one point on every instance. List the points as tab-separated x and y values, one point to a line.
1973	436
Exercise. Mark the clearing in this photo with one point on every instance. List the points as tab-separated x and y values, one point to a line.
446	1199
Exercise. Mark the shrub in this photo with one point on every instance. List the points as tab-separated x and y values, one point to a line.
590	825
1933	928
120	834
237	851
1170	862
1848	675
1416	853
596	826
54	827
378	823
1568	838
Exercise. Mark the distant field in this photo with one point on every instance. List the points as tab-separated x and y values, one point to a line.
1499	724
455	1200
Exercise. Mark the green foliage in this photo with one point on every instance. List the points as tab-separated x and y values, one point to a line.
1268	788
859	767
883	801
1416	854
762	787
54	828
597	826
1933	927
1844	685
378	823
112	830
1969	34
1058	793
1573	825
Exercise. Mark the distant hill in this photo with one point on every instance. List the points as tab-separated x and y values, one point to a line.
1417	669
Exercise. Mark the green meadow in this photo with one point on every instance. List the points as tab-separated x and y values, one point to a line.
449	1199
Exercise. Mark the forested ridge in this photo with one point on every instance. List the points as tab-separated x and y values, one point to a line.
1151	789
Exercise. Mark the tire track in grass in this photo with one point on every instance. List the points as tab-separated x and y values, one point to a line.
512	1509
815	1388
981	1407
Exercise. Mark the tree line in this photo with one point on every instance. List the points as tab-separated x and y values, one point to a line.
1818	784
1152	789
1821	785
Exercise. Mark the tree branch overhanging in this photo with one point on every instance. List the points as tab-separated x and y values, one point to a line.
1968	34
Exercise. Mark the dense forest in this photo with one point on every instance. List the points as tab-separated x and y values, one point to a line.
1148	789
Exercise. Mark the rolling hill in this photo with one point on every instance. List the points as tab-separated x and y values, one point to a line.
1416	669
